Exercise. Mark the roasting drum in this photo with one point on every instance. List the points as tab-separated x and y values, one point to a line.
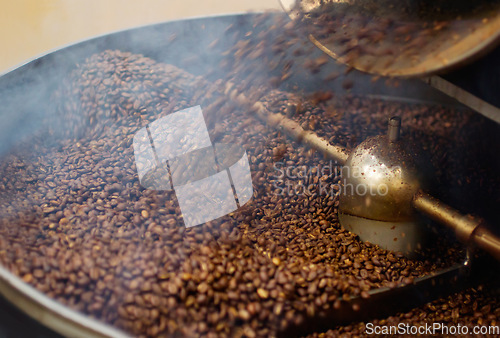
27	93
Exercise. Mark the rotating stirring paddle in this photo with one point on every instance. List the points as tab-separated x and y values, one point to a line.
387	165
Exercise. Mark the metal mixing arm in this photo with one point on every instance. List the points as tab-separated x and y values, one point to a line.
469	229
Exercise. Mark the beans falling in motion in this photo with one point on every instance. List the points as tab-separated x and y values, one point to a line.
77	225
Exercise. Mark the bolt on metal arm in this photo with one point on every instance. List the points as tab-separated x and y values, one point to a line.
469	229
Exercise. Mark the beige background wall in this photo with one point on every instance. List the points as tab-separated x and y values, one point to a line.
31	27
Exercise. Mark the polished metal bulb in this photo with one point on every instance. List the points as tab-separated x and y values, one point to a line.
379	181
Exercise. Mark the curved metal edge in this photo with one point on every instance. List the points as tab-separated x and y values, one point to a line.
49	312
465	59
118	31
471	55
383	302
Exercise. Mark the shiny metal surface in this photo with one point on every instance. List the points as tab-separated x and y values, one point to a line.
381	190
435	36
469	229
394	132
51	313
379	181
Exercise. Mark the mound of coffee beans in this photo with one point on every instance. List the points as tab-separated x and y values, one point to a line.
77	225
456	315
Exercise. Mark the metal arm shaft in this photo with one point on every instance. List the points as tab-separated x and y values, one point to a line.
469	229
291	128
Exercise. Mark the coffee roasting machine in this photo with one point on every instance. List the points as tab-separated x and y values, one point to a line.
399	98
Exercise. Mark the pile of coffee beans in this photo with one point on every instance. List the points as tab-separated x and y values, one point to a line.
77	225
457	315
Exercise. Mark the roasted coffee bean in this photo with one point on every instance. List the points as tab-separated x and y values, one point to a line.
437	311
77	224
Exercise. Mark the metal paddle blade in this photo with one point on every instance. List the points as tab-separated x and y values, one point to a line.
399	38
